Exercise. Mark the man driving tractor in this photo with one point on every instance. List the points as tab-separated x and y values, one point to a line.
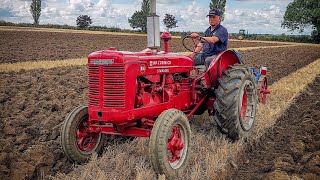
214	41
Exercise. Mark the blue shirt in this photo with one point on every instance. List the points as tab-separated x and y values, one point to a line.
211	49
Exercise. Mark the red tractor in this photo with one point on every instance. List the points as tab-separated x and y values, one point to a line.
153	94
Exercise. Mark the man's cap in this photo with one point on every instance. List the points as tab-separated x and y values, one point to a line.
214	12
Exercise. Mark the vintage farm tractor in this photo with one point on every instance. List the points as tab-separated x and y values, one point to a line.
153	94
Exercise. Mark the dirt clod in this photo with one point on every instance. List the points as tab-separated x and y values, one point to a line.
21	170
277	174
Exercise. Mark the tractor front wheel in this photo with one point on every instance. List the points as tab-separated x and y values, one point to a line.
77	143
169	143
236	102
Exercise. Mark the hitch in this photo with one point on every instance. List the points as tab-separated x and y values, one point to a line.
262	83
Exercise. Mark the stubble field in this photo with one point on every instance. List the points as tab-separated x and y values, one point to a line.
33	103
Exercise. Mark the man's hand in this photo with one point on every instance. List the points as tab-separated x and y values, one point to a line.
194	35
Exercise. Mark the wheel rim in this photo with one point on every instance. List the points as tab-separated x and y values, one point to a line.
86	141
177	146
247	106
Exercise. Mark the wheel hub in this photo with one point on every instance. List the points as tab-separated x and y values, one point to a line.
244	106
86	141
175	144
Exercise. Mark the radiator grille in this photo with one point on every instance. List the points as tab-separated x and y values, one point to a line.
113	91
114	86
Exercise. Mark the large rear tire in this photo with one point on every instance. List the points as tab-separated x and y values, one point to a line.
236	102
169	143
77	143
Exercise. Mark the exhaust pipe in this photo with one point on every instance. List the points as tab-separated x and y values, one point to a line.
153	28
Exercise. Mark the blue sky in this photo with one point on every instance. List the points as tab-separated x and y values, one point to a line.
256	16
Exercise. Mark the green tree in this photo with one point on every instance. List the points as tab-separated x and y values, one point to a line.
170	21
83	21
145	7
139	18
219	4
301	14
35	10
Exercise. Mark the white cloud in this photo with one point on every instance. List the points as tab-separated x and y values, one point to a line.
166	2
260	21
103	4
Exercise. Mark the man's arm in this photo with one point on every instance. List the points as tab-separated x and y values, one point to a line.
196	50
212	39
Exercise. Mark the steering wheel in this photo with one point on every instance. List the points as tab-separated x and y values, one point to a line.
195	43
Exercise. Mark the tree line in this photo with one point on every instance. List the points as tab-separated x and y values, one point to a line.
299	15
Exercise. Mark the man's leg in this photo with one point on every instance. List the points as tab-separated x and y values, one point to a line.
209	60
197	60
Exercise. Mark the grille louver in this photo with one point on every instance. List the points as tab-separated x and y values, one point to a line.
93	69
93	101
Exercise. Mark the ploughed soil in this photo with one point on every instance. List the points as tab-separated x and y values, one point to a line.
19	46
292	147
33	104
280	61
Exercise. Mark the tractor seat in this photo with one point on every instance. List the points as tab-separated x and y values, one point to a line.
201	68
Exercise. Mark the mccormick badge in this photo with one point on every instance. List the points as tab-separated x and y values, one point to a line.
102	61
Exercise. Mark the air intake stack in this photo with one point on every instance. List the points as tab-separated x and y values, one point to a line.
153	27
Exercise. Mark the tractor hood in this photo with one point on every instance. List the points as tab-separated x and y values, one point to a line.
161	62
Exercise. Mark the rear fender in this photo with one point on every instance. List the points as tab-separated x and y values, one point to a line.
219	64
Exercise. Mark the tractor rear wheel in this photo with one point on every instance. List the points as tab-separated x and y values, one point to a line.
169	143
236	102
77	143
